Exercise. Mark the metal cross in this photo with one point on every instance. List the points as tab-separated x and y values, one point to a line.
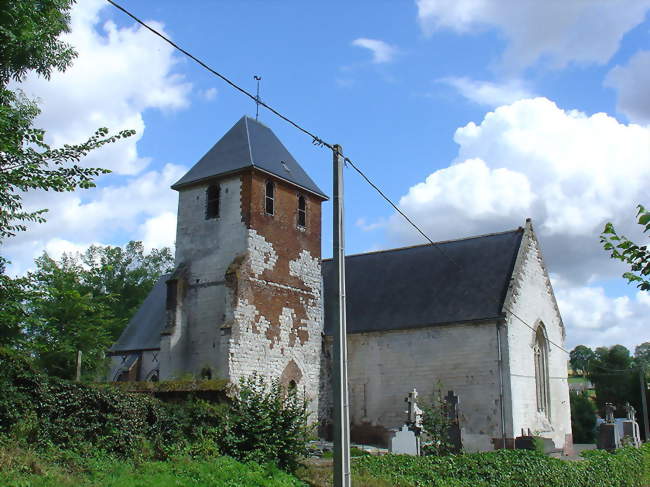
257	97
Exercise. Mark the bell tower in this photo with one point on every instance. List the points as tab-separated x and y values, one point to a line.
245	296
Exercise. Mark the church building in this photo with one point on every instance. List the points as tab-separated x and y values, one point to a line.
250	293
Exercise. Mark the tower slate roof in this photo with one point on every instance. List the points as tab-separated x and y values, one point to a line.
249	144
462	281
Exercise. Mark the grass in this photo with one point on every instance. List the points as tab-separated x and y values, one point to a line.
20	467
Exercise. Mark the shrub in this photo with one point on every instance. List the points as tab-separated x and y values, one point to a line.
510	468
266	423
436	425
583	417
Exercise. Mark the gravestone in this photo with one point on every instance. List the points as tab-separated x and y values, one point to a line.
405	442
608	435
631	432
454	429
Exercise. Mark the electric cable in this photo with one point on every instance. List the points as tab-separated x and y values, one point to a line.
321	143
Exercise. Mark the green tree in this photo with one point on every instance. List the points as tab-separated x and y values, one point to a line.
583	417
122	277
64	319
84	301
580	357
29	41
642	355
623	249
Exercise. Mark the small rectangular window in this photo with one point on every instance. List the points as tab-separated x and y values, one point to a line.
212	195
270	197
302	211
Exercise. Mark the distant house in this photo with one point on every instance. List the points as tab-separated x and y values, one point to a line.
250	294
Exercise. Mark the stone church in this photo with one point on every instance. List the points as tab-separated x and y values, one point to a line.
249	293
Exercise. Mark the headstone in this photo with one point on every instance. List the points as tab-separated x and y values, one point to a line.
631	431
454	429
405	442
608	437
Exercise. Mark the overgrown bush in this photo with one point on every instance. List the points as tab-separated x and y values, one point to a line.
510	468
583	417
436	425
266	422
262	423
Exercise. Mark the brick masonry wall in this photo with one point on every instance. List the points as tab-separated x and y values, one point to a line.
275	290
531	298
385	367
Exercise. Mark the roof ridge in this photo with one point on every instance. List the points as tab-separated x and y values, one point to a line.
408	247
248	140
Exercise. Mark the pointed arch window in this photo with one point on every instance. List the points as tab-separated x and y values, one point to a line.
540	354
302	211
212	197
269	200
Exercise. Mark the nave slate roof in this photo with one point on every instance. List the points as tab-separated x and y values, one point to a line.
460	281
144	329
249	144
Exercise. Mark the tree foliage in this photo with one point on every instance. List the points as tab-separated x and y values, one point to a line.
623	249
580	358
30	40
583	417
83	302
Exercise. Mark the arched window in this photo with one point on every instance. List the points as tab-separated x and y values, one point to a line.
302	211
212	195
270	198
540	354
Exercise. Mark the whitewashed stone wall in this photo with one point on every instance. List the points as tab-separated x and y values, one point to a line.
385	367
207	247
531	298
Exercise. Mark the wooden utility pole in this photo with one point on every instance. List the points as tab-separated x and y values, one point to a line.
340	365
78	375
644	405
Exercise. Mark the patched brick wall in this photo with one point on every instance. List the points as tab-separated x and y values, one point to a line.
275	289
531	298
385	367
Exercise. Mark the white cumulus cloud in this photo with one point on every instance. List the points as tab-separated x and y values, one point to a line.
554	31
382	52
489	93
569	171
118	74
631	82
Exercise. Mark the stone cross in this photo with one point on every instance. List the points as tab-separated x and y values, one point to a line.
414	413
452	406
609	412
631	412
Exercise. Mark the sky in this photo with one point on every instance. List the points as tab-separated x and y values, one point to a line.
471	114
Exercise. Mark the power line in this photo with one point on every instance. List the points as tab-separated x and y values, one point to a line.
319	142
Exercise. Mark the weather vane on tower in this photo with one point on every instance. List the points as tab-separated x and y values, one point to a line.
257	97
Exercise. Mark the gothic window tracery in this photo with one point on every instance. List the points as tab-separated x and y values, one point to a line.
540	355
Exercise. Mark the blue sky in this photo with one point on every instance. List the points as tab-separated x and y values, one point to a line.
473	114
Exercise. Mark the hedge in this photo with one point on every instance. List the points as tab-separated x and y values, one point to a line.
510	468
